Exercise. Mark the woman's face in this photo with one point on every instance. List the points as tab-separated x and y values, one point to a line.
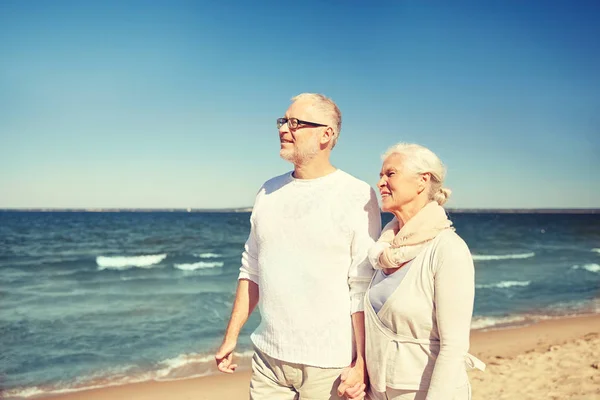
397	186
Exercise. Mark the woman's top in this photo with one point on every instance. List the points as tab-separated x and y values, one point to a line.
384	285
419	339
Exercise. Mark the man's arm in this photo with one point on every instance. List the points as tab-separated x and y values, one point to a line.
367	230
358	323
354	378
246	298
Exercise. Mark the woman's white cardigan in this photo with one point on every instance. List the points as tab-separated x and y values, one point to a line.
419	340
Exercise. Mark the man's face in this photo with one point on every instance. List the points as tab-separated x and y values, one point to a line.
303	143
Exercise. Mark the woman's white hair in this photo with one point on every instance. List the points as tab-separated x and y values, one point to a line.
328	108
421	160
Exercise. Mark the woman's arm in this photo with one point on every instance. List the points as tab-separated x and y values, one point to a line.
454	285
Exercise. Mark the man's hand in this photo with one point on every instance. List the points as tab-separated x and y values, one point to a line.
224	357
354	382
246	298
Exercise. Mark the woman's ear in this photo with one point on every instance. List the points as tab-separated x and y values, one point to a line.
423	181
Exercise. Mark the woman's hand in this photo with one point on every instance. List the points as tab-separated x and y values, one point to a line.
354	382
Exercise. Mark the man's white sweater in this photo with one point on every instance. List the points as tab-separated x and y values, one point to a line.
307	252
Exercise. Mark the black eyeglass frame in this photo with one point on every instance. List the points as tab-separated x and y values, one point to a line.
295	125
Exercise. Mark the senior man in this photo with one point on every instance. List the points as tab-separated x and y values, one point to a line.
305	264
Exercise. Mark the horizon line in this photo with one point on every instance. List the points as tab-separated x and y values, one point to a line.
556	210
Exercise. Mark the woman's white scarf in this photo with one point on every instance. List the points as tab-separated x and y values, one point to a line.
394	249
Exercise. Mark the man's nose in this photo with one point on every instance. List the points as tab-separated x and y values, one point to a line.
284	129
381	182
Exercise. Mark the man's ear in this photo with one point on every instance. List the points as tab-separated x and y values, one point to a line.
327	135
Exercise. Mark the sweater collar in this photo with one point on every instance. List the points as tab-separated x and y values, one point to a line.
315	180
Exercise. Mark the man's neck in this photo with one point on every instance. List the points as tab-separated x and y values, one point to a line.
315	168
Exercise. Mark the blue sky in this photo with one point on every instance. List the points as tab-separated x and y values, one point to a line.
173	104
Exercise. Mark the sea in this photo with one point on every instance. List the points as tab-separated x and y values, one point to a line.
92	299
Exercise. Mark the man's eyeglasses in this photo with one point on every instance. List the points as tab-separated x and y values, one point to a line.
293	123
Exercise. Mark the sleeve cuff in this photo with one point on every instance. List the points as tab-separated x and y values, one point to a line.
249	276
357	302
375	251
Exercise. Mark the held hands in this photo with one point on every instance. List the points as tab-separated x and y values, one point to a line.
224	357
354	382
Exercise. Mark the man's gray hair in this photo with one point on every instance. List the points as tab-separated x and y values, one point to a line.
327	107
420	160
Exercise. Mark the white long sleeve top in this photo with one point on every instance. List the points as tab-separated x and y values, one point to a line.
419	339
307	252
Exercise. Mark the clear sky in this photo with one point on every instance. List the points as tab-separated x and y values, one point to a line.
173	103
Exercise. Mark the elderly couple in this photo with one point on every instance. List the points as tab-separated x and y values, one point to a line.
350	311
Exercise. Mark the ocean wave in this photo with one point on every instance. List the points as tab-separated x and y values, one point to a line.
588	267
503	284
88	384
484	257
207	255
26	392
184	366
488	322
125	262
596	250
574	308
198	265
568	309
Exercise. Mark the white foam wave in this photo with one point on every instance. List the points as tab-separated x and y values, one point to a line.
207	255
184	366
503	284
574	308
596	250
588	267
37	391
27	392
198	265
484	257
187	365
125	262
488	322
170	365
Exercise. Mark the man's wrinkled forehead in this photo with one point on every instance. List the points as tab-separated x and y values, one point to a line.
303	109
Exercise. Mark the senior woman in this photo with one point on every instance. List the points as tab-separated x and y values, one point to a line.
418	307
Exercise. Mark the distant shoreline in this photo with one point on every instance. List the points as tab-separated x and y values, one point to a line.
249	209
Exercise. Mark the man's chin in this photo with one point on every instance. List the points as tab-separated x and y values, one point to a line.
287	155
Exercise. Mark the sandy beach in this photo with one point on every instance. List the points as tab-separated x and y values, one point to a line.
552	359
